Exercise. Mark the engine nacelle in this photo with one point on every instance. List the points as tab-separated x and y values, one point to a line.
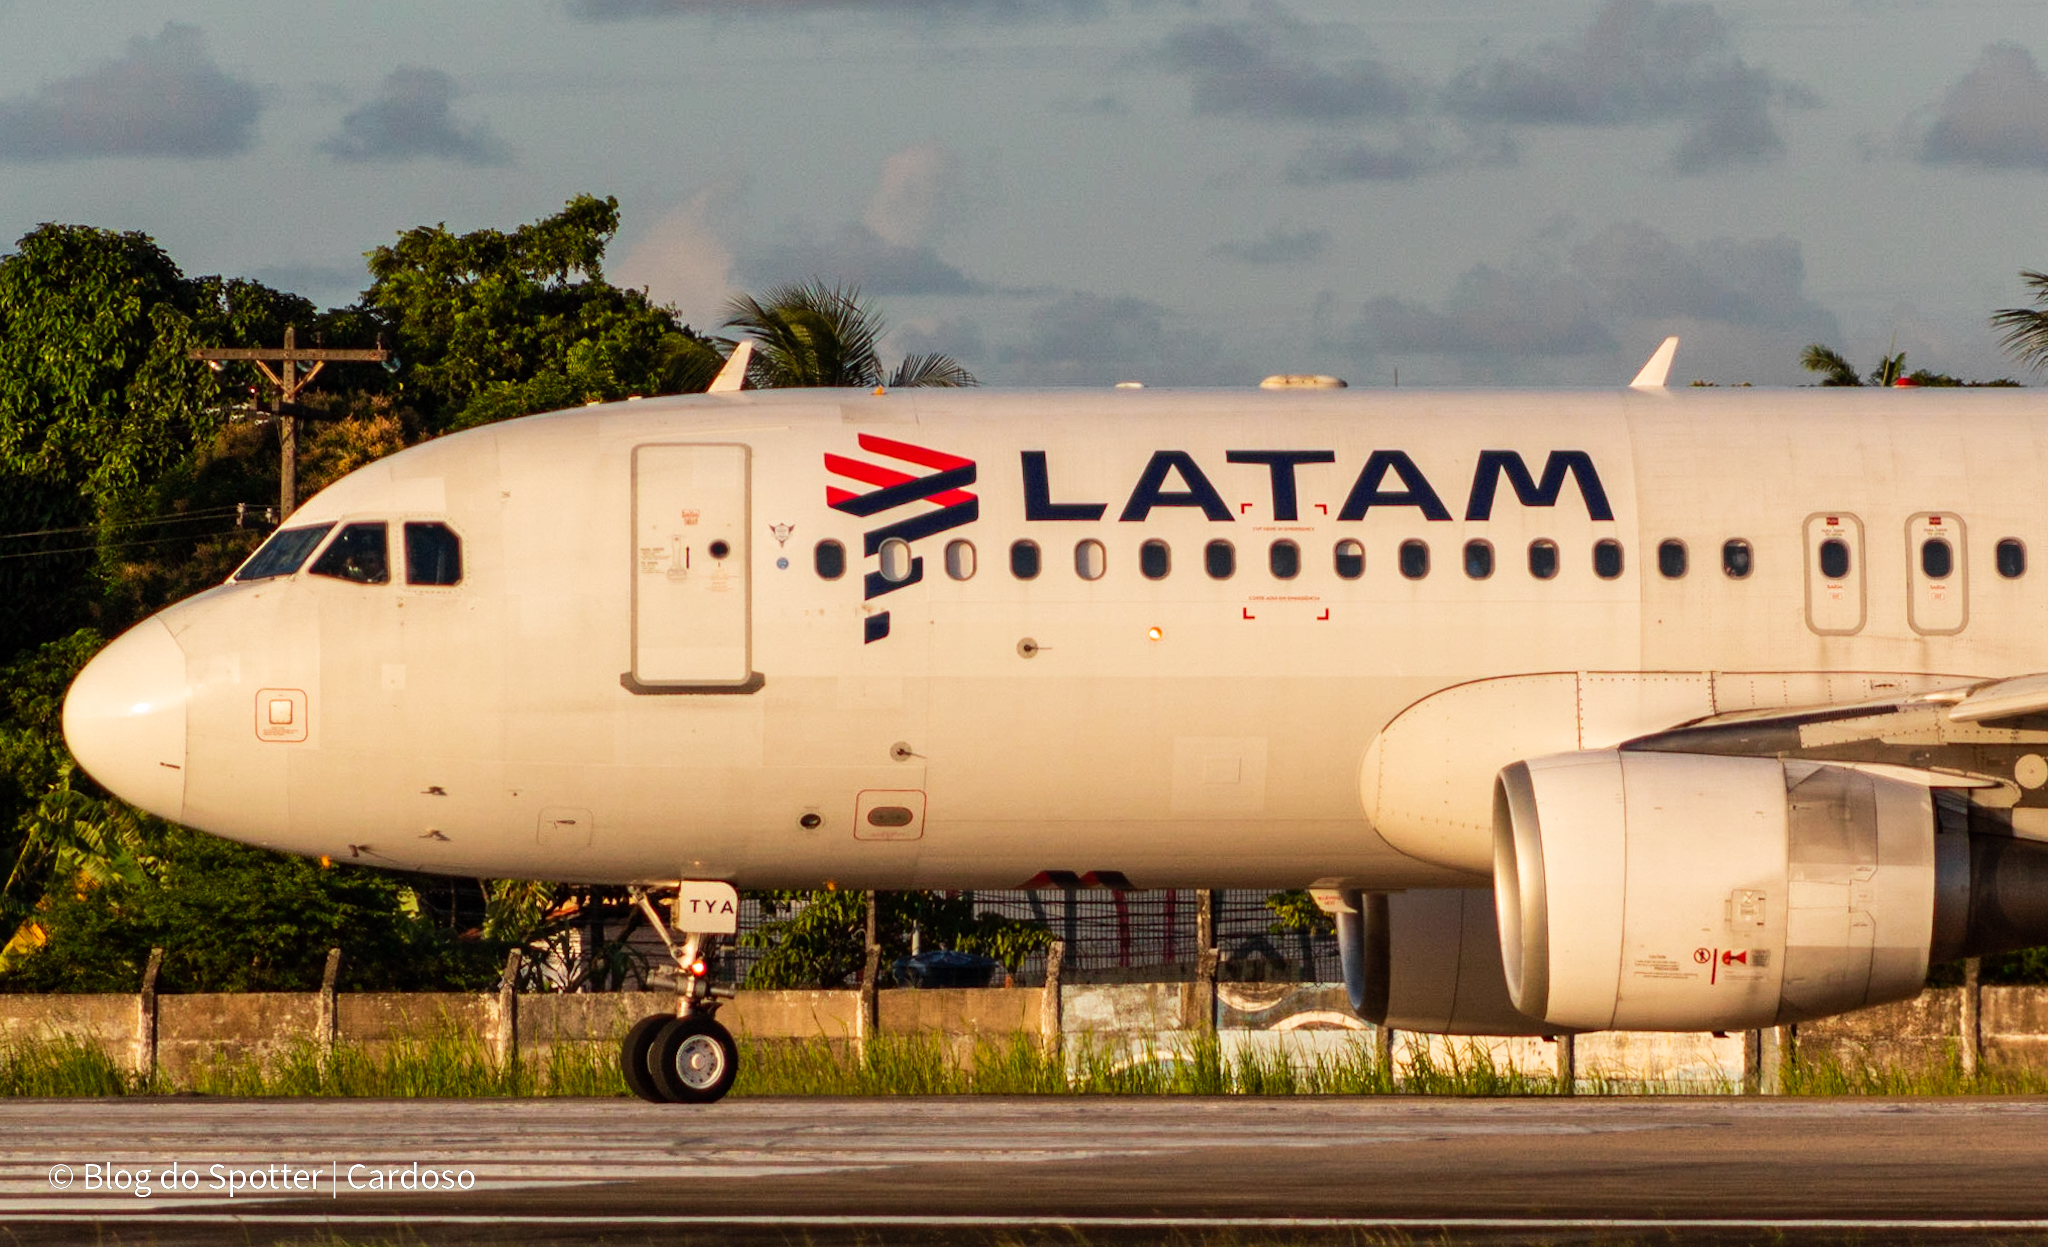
1662	891
1429	961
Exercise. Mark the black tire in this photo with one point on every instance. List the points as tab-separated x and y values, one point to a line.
694	1060
636	1058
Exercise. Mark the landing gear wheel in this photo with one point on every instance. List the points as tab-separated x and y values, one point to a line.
693	1060
636	1057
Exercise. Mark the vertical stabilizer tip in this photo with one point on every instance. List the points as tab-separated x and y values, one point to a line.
1655	372
734	375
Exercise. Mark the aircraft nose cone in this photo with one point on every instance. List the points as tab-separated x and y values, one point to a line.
124	719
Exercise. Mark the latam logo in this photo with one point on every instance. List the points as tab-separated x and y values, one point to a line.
937	495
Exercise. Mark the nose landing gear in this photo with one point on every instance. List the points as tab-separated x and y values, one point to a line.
687	1057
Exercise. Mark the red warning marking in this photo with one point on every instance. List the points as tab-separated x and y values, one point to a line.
1325	614
1935	520
1248	612
1730	957
1324	507
1244	508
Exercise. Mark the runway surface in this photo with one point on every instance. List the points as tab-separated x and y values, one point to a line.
1070	1170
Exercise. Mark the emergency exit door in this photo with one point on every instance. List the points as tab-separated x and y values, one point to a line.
691	575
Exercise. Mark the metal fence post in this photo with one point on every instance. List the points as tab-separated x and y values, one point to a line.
1567	1064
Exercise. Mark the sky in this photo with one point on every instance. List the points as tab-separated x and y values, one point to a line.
1080	192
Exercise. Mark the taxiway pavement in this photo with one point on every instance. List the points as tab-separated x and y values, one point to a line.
1089	1169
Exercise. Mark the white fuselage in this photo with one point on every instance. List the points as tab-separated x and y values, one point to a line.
599	699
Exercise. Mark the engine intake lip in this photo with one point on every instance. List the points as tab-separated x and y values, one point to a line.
1519	893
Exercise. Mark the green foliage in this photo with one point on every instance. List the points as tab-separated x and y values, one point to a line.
492	325
2026	328
96	387
1836	370
1298	911
811	334
818	939
234	918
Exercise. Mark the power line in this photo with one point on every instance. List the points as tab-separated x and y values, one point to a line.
123	545
186	518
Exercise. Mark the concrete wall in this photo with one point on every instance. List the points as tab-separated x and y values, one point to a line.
1300	1021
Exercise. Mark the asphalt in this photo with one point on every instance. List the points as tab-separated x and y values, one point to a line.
1071	1170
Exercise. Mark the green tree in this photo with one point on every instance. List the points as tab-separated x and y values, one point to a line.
812	334
492	325
819	938
1835	369
2026	328
98	401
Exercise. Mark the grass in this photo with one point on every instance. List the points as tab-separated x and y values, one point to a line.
443	1063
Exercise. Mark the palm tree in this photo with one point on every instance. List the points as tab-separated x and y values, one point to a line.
2026	328
814	334
1835	368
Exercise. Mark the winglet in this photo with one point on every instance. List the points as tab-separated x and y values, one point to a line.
733	376
1653	375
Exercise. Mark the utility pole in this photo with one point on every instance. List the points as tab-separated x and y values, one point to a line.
288	381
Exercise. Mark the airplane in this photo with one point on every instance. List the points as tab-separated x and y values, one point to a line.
1647	708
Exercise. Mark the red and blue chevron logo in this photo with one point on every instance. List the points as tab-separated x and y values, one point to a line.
937	492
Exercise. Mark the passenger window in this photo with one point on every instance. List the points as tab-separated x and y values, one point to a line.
1284	558
829	557
360	554
1155	560
1671	559
1415	559
1219	559
1937	558
1090	560
896	562
1834	559
282	554
960	560
433	555
1735	559
1350	557
1543	559
1607	559
2012	558
1479	559
1024	560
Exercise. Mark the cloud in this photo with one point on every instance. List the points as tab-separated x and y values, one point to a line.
412	119
1995	117
1415	151
1276	246
917	198
1271	67
1639	62
683	260
633	10
854	254
1639	272
1493	311
1627	283
165	97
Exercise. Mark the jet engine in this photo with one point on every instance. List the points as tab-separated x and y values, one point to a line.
1428	961
1671	891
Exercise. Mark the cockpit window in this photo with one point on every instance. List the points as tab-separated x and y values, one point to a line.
359	553
282	554
433	554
